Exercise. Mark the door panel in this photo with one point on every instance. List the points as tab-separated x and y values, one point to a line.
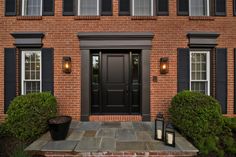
115	79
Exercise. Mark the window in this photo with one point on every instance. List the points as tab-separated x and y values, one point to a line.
200	71
31	7
199	7
31	72
142	7
88	7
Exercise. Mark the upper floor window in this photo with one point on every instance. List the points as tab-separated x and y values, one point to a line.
200	71
31	7
88	7
199	7
142	7
31	71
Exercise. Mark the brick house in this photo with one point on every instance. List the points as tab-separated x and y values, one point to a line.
116	52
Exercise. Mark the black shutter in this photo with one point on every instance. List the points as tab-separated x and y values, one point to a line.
47	70
162	7
234	8
220	7
10	7
235	81
124	7
9	76
48	7
68	7
183	7
183	69
221	78
106	7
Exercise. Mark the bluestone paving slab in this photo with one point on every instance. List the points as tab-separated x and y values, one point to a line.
106	132
126	135
158	145
143	136
45	137
111	125
108	144
88	144
60	146
74	124
184	145
75	135
90	133
131	146
36	145
144	126
127	125
89	126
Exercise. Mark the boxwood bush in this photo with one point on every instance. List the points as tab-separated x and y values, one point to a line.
28	115
198	117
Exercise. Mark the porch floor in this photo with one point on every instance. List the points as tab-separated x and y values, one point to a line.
101	138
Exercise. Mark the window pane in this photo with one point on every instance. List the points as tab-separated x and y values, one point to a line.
135	68
31	86
95	69
32	7
199	68
88	7
142	7
198	7
199	87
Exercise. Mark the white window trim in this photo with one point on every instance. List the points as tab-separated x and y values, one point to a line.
152	9
208	70
98	8
208	8
23	8
23	70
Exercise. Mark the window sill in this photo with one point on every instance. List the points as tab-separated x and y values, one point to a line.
87	17
29	17
143	17
204	18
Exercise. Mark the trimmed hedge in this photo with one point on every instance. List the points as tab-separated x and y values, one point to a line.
28	115
198	117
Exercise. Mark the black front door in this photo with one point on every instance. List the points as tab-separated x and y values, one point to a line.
115	85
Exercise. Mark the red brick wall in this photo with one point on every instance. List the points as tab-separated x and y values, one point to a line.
170	34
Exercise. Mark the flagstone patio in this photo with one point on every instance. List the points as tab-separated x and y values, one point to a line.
110	138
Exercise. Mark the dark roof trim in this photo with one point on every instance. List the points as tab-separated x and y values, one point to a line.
28	39
203	39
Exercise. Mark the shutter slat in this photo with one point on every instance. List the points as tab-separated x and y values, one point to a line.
162	7
48	7
221	78
124	7
68	7
47	70
183	69
220	7
10	7
235	81
183	7
9	76
234	8
106	7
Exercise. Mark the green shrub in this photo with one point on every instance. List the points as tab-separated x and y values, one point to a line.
19	152
198	117
28	115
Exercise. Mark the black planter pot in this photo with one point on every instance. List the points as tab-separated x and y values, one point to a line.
59	127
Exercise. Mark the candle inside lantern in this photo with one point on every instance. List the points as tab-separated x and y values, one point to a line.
169	138
159	134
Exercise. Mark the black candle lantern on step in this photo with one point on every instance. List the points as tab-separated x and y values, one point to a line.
159	127
170	135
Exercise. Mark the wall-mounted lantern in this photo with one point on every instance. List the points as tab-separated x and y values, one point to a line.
159	127
164	65
66	65
170	135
